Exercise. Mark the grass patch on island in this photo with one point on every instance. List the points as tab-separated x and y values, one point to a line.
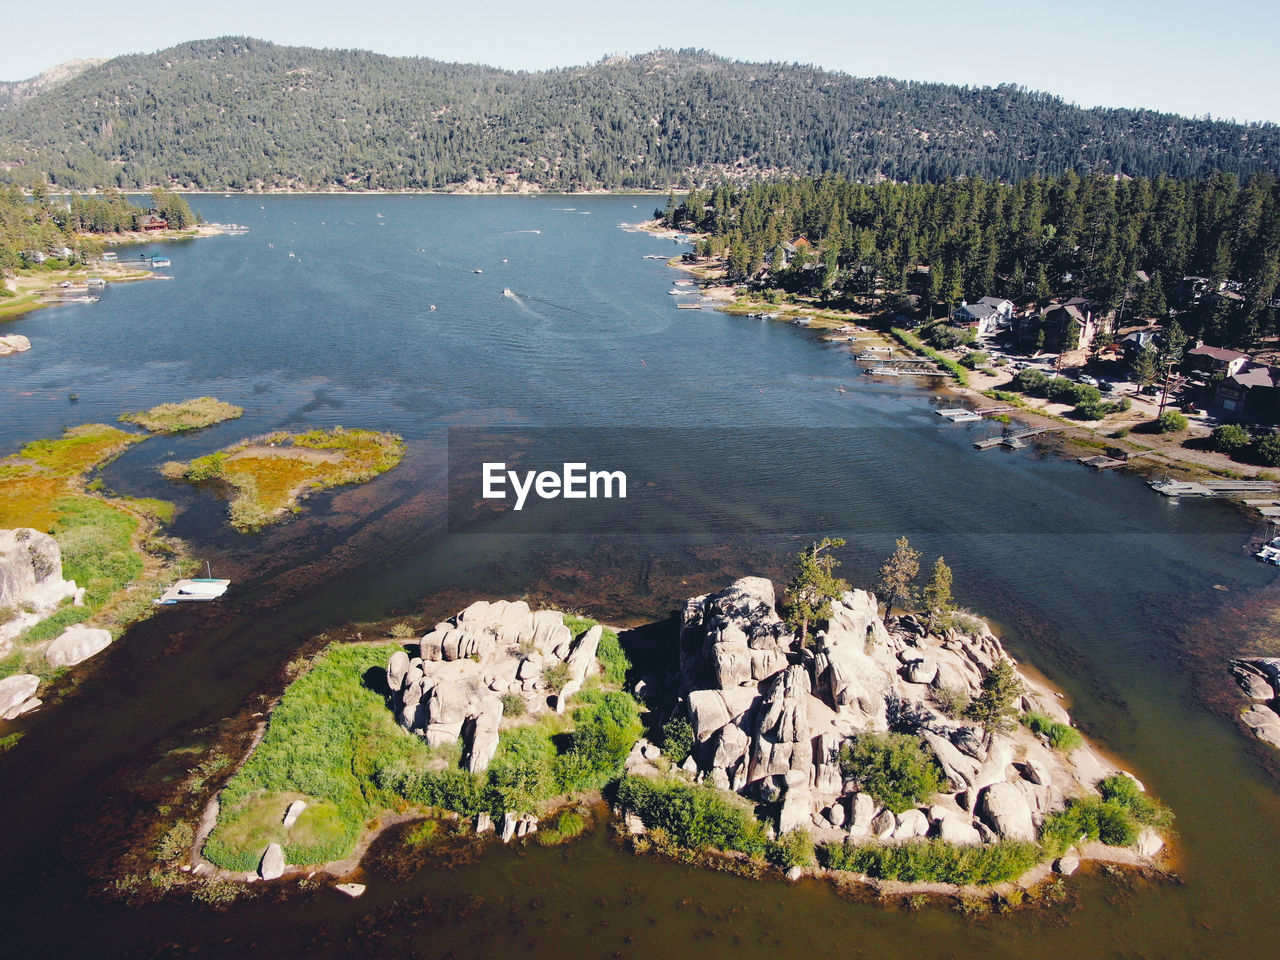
333	741
269	475
186	415
101	538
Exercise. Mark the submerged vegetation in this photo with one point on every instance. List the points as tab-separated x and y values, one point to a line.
268	475
187	415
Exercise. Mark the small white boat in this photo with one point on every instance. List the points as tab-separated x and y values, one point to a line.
95	282
477	270
882	372
204	588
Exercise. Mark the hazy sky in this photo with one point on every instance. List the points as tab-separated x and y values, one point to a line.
1179	56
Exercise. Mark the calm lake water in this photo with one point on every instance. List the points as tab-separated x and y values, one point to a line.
739	448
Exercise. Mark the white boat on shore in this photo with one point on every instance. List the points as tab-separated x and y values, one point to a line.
203	588
882	372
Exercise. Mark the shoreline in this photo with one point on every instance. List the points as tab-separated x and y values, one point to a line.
32	284
1151	453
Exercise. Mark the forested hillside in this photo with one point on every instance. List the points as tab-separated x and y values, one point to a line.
1113	241
236	113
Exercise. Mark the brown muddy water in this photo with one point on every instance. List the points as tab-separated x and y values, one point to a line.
739	447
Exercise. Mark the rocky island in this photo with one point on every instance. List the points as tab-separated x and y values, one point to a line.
824	738
875	748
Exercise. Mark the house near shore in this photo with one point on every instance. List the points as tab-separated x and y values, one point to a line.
1069	324
153	222
1252	391
983	317
1139	340
1217	360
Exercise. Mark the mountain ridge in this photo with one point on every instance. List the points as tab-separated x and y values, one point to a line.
240	113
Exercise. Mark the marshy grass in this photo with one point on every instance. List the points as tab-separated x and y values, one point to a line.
104	541
269	475
187	415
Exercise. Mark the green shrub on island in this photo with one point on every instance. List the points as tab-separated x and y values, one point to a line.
97	546
270	474
899	770
694	816
677	739
1115	817
934	861
610	653
1061	736
793	849
605	728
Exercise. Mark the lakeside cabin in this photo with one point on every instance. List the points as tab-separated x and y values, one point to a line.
153	222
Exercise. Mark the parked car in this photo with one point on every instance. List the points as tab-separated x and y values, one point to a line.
1106	386
1088	381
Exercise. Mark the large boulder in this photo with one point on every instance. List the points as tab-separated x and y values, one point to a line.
1256	677
882	825
781	740
397	668
272	865
1264	722
76	644
797	806
862	810
960	769
31	583
1149	843
911	824
14	343
15	690
958	830
484	735
294	812
1004	808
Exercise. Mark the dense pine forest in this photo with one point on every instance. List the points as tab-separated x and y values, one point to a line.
1115	241
237	113
61	229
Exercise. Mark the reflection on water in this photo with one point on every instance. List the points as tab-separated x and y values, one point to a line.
1102	585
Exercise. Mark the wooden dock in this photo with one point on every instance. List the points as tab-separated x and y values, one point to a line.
1014	439
1215	488
1100	462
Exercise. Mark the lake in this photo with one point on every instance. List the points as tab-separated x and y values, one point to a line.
552	338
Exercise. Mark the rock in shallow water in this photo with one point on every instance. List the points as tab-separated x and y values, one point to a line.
14	690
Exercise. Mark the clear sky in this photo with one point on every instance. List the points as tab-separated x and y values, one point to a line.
1182	56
